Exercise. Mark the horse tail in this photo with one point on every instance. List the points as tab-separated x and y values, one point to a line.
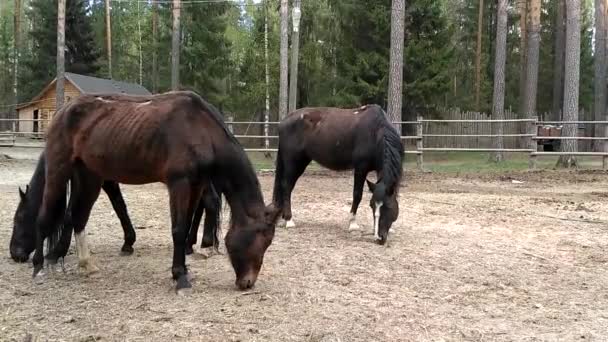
60	233
277	192
392	151
217	227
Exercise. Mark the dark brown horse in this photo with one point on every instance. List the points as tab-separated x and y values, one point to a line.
342	139
23	238
175	138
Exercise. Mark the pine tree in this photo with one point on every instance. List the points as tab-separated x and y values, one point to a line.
499	79
81	48
205	50
571	81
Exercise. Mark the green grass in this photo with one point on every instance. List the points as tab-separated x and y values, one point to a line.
474	162
457	162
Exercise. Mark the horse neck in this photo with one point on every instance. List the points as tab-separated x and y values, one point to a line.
240	185
36	187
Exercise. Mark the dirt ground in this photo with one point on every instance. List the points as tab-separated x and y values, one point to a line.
509	257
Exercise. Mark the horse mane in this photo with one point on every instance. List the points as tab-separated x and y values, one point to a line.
34	202
215	113
391	148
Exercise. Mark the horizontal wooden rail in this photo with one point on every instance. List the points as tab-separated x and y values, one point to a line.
450	149
257	136
540	123
480	121
478	135
542	153
569	138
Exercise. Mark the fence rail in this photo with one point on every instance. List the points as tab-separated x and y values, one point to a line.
461	132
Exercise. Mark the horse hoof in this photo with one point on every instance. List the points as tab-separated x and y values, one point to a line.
290	224
208	252
89	268
185	292
39	278
353	226
189	250
183	287
126	250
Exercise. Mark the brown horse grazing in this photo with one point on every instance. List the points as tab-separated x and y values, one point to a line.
343	139
175	138
23	238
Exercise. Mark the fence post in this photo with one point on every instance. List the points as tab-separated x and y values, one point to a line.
604	146
419	145
532	132
230	125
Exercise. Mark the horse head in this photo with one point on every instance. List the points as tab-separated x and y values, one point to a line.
385	209
246	246
23	239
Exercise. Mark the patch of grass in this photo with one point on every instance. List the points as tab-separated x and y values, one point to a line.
455	162
474	162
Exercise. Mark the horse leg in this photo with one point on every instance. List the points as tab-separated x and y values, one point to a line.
181	196
293	171
360	175
213	204
51	210
112	189
85	193
196	222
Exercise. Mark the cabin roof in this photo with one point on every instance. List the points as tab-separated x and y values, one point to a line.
94	85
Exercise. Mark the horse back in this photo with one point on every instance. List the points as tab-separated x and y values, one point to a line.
336	138
138	139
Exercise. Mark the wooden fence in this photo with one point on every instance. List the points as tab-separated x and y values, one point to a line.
459	129
455	131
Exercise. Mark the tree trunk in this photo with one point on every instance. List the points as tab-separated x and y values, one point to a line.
154	47
558	66
293	77
498	101
396	62
522	6
571	80
599	105
175	46
267	76
284	59
532	57
109	38
17	51
478	57
141	64
59	85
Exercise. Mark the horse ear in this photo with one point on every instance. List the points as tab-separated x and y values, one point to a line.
22	194
271	214
370	185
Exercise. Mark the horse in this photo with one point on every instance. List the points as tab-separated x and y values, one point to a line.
22	241
175	138
360	139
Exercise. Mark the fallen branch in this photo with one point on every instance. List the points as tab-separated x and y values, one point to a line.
569	219
432	201
535	256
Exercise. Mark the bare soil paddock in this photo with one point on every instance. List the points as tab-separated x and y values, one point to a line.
473	258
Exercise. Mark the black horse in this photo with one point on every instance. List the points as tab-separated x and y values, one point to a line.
343	139
23	240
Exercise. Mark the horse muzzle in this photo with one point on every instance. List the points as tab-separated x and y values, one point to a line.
19	254
247	282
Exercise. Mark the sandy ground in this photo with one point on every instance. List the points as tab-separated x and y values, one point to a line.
473	258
